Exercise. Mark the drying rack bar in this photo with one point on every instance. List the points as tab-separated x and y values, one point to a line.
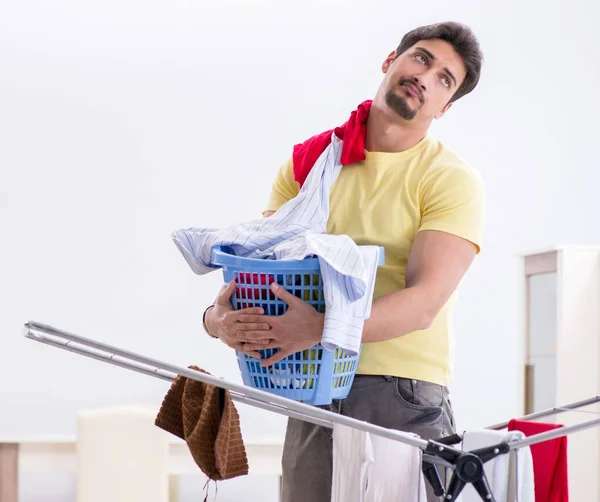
161	374
542	436
467	466
550	411
553	434
247	395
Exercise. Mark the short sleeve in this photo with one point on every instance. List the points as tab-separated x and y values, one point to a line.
284	187
453	201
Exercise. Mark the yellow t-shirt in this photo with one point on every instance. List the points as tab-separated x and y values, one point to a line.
385	200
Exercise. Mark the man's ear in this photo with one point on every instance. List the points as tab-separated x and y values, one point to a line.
444	110
388	62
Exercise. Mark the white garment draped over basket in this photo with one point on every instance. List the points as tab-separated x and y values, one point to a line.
295	231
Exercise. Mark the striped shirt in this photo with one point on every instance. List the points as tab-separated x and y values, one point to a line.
298	230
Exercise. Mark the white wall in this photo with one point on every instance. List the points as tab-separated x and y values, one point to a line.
577	370
121	121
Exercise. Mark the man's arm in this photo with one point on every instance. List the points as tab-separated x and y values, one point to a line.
449	237
439	257
436	264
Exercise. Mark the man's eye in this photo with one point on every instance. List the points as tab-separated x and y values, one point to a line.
420	58
445	82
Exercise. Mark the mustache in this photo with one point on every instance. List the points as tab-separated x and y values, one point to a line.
415	84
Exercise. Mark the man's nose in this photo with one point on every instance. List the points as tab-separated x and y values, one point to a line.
420	80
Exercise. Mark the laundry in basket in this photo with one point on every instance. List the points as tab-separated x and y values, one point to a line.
316	375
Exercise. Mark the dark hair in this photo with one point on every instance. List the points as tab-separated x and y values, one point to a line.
462	40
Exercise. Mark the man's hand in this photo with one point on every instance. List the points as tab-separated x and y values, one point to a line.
225	323
298	329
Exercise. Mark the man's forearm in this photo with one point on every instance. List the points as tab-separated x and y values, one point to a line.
397	314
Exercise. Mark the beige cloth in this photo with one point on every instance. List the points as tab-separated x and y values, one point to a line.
206	418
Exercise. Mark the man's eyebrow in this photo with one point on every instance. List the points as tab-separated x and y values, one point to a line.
432	57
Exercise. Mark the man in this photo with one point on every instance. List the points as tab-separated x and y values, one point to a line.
425	205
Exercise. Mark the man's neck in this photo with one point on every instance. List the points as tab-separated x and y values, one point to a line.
387	133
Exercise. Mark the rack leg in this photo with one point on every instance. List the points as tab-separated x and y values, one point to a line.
280	488
433	478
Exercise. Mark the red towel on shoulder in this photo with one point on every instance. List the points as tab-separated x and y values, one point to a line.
549	462
353	133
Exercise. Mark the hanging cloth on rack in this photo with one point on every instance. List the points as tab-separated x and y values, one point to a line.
510	475
352	457
549	461
372	468
206	418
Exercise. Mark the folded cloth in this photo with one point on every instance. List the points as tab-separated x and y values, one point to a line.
549	461
509	475
298	230
205	417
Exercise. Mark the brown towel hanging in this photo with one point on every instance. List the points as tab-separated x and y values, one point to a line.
205	416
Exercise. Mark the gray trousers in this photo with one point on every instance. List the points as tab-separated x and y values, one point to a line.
414	406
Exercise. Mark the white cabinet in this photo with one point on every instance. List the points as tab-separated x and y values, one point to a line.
562	350
541	341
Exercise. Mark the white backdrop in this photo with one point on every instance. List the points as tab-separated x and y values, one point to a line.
121	121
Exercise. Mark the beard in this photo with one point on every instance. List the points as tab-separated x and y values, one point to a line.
399	105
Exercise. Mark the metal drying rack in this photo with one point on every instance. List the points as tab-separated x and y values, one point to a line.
467	467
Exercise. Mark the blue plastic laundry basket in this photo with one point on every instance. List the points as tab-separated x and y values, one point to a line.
315	376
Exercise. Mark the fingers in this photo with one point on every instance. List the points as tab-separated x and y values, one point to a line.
253	313
253	336
263	340
278	356
225	294
233	316
242	347
284	295
262	345
249	318
251	353
252	326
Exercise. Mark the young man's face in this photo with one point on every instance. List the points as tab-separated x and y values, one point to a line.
420	82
